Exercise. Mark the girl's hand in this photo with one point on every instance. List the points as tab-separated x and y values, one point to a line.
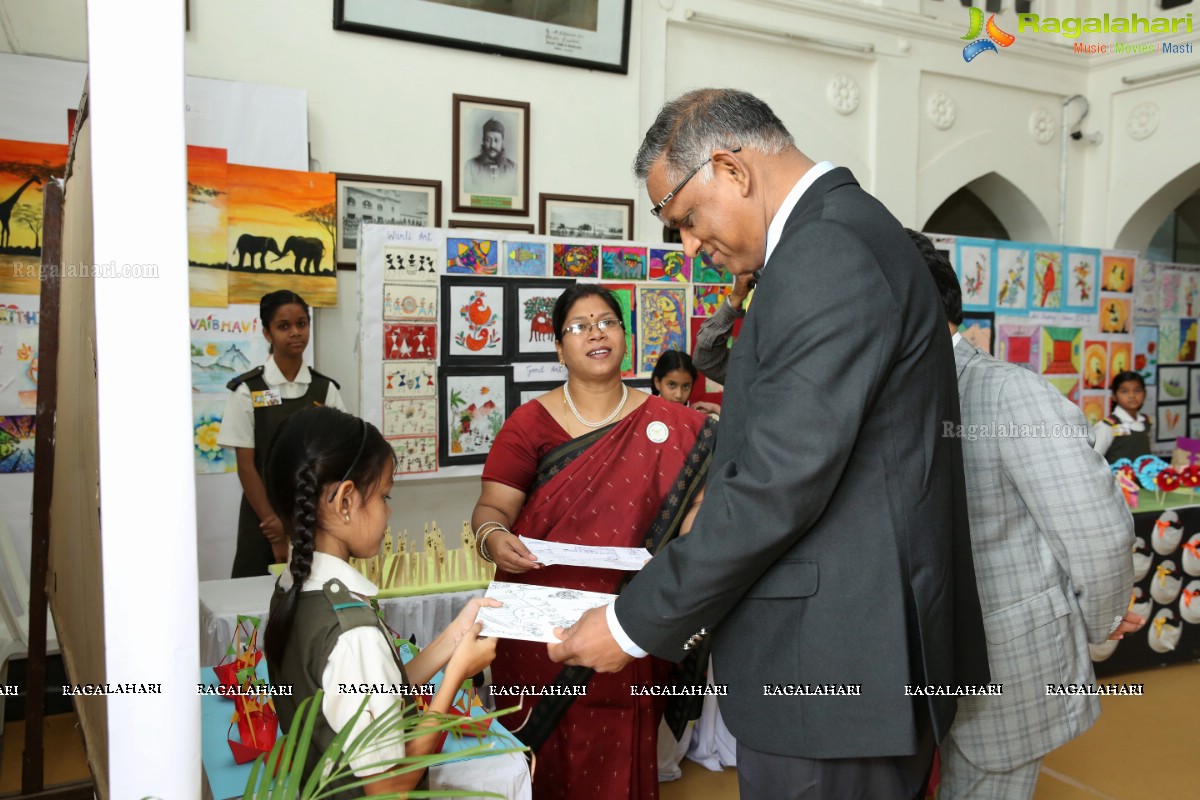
272	528
279	550
465	620
509	553
471	654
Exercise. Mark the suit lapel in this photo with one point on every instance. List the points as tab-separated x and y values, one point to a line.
964	353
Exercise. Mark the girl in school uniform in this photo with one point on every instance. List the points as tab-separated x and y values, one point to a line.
262	399
328	476
1125	433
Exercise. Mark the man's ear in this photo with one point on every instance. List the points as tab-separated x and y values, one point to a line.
730	166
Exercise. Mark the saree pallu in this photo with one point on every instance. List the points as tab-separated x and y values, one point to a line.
613	487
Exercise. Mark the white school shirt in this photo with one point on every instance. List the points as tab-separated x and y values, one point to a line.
1104	431
361	655
237	425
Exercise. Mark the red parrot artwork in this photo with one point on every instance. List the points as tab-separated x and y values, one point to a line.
1048	282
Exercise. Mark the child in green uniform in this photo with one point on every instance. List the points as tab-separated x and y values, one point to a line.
1125	433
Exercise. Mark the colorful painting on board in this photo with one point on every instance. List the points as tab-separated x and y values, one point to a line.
705	271
576	261
1060	350
474	322
1172	384
407	379
976	276
1172	423
409	341
978	328
1189	293
208	234
1145	292
1117	273
17	435
1187	339
527	259
668	265
1168	342
411	301
410	417
1068	386
208	457
1081	279
535	330
472	257
19	317
411	264
1145	352
626	295
474	406
1012	279
1095	407
1169	285
225	342
661	319
25	167
1095	365
707	298
622	263
1120	358
705	388
1047	279
1116	314
281	234
414	454
1019	344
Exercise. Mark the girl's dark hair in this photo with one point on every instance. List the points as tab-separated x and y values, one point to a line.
272	302
312	449
579	291
1127	375
670	361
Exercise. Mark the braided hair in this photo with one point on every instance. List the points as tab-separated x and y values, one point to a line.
313	449
271	302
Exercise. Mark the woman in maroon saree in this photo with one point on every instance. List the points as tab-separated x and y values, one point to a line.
596	464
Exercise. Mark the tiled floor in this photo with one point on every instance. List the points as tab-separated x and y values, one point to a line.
1142	747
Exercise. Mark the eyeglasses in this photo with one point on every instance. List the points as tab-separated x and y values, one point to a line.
361	444
657	210
580	328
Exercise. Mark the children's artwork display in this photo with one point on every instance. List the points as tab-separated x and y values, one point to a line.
525	259
208	237
576	261
472	257
1187	340
25	167
19	317
17	435
622	263
532	612
208	457
473	312
1047	279
1081	269
474	407
1120	358
1172	385
411	265
1019	344
1061	351
978	328
1012	280
225	343
1095	365
1145	352
1095	407
1117	273
531	313
704	271
414	454
707	298
1116	314
661	315
415	416
408	379
669	265
410	341
410	301
976	274
626	294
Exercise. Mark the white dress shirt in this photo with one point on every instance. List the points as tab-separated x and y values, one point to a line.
237	425
1104	431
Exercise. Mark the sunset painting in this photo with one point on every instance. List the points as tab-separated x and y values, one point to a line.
281	234
24	169
208	206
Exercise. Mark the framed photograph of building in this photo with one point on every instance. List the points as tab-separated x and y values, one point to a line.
585	217
593	34
491	155
387	201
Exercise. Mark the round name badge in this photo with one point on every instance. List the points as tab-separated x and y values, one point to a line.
657	432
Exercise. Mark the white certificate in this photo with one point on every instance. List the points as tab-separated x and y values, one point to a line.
532	612
582	555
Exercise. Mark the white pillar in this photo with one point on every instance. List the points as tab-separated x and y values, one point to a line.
147	496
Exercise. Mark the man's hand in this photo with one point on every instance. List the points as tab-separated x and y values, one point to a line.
741	289
589	643
1130	624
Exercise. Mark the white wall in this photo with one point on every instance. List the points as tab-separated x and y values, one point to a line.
383	107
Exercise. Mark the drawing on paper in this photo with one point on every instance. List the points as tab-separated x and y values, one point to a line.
215	363
1187	339
533	612
1019	344
977	328
1118	272
410	417
410	301
18	354
409	264
1116	314
976	276
1060	350
576	261
409	379
414	454
623	263
708	297
1081	286
705	271
1094	408
1145	352
1120	357
1095	365
408	341
1172	384
582	555
669	265
527	259
1012	270
17	436
1047	279
535	329
475	412
476	323
471	257
208	208
661	314
208	457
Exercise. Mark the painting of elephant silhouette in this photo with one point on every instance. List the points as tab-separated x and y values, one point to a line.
250	245
308	251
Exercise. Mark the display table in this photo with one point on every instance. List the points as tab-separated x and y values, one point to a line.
222	601
1167	569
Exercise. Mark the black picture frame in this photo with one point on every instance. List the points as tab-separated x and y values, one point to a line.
451	349
515	318
449	436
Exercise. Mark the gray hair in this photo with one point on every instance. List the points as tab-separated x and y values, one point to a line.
689	128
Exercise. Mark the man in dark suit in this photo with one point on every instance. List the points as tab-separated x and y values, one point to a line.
832	547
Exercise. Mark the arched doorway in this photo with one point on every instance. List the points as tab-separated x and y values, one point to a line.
992	207
965	214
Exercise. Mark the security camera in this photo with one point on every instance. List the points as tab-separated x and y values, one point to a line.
1077	135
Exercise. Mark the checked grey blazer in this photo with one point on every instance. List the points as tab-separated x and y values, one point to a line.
1051	536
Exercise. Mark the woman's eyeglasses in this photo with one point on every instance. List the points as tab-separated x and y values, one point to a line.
580	328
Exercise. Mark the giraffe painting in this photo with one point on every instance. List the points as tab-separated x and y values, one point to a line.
6	208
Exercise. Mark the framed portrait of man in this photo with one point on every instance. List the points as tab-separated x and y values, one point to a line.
491	155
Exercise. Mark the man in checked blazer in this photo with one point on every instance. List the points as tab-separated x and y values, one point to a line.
1052	538
832	546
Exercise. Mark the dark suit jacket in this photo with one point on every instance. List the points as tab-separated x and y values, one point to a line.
832	546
